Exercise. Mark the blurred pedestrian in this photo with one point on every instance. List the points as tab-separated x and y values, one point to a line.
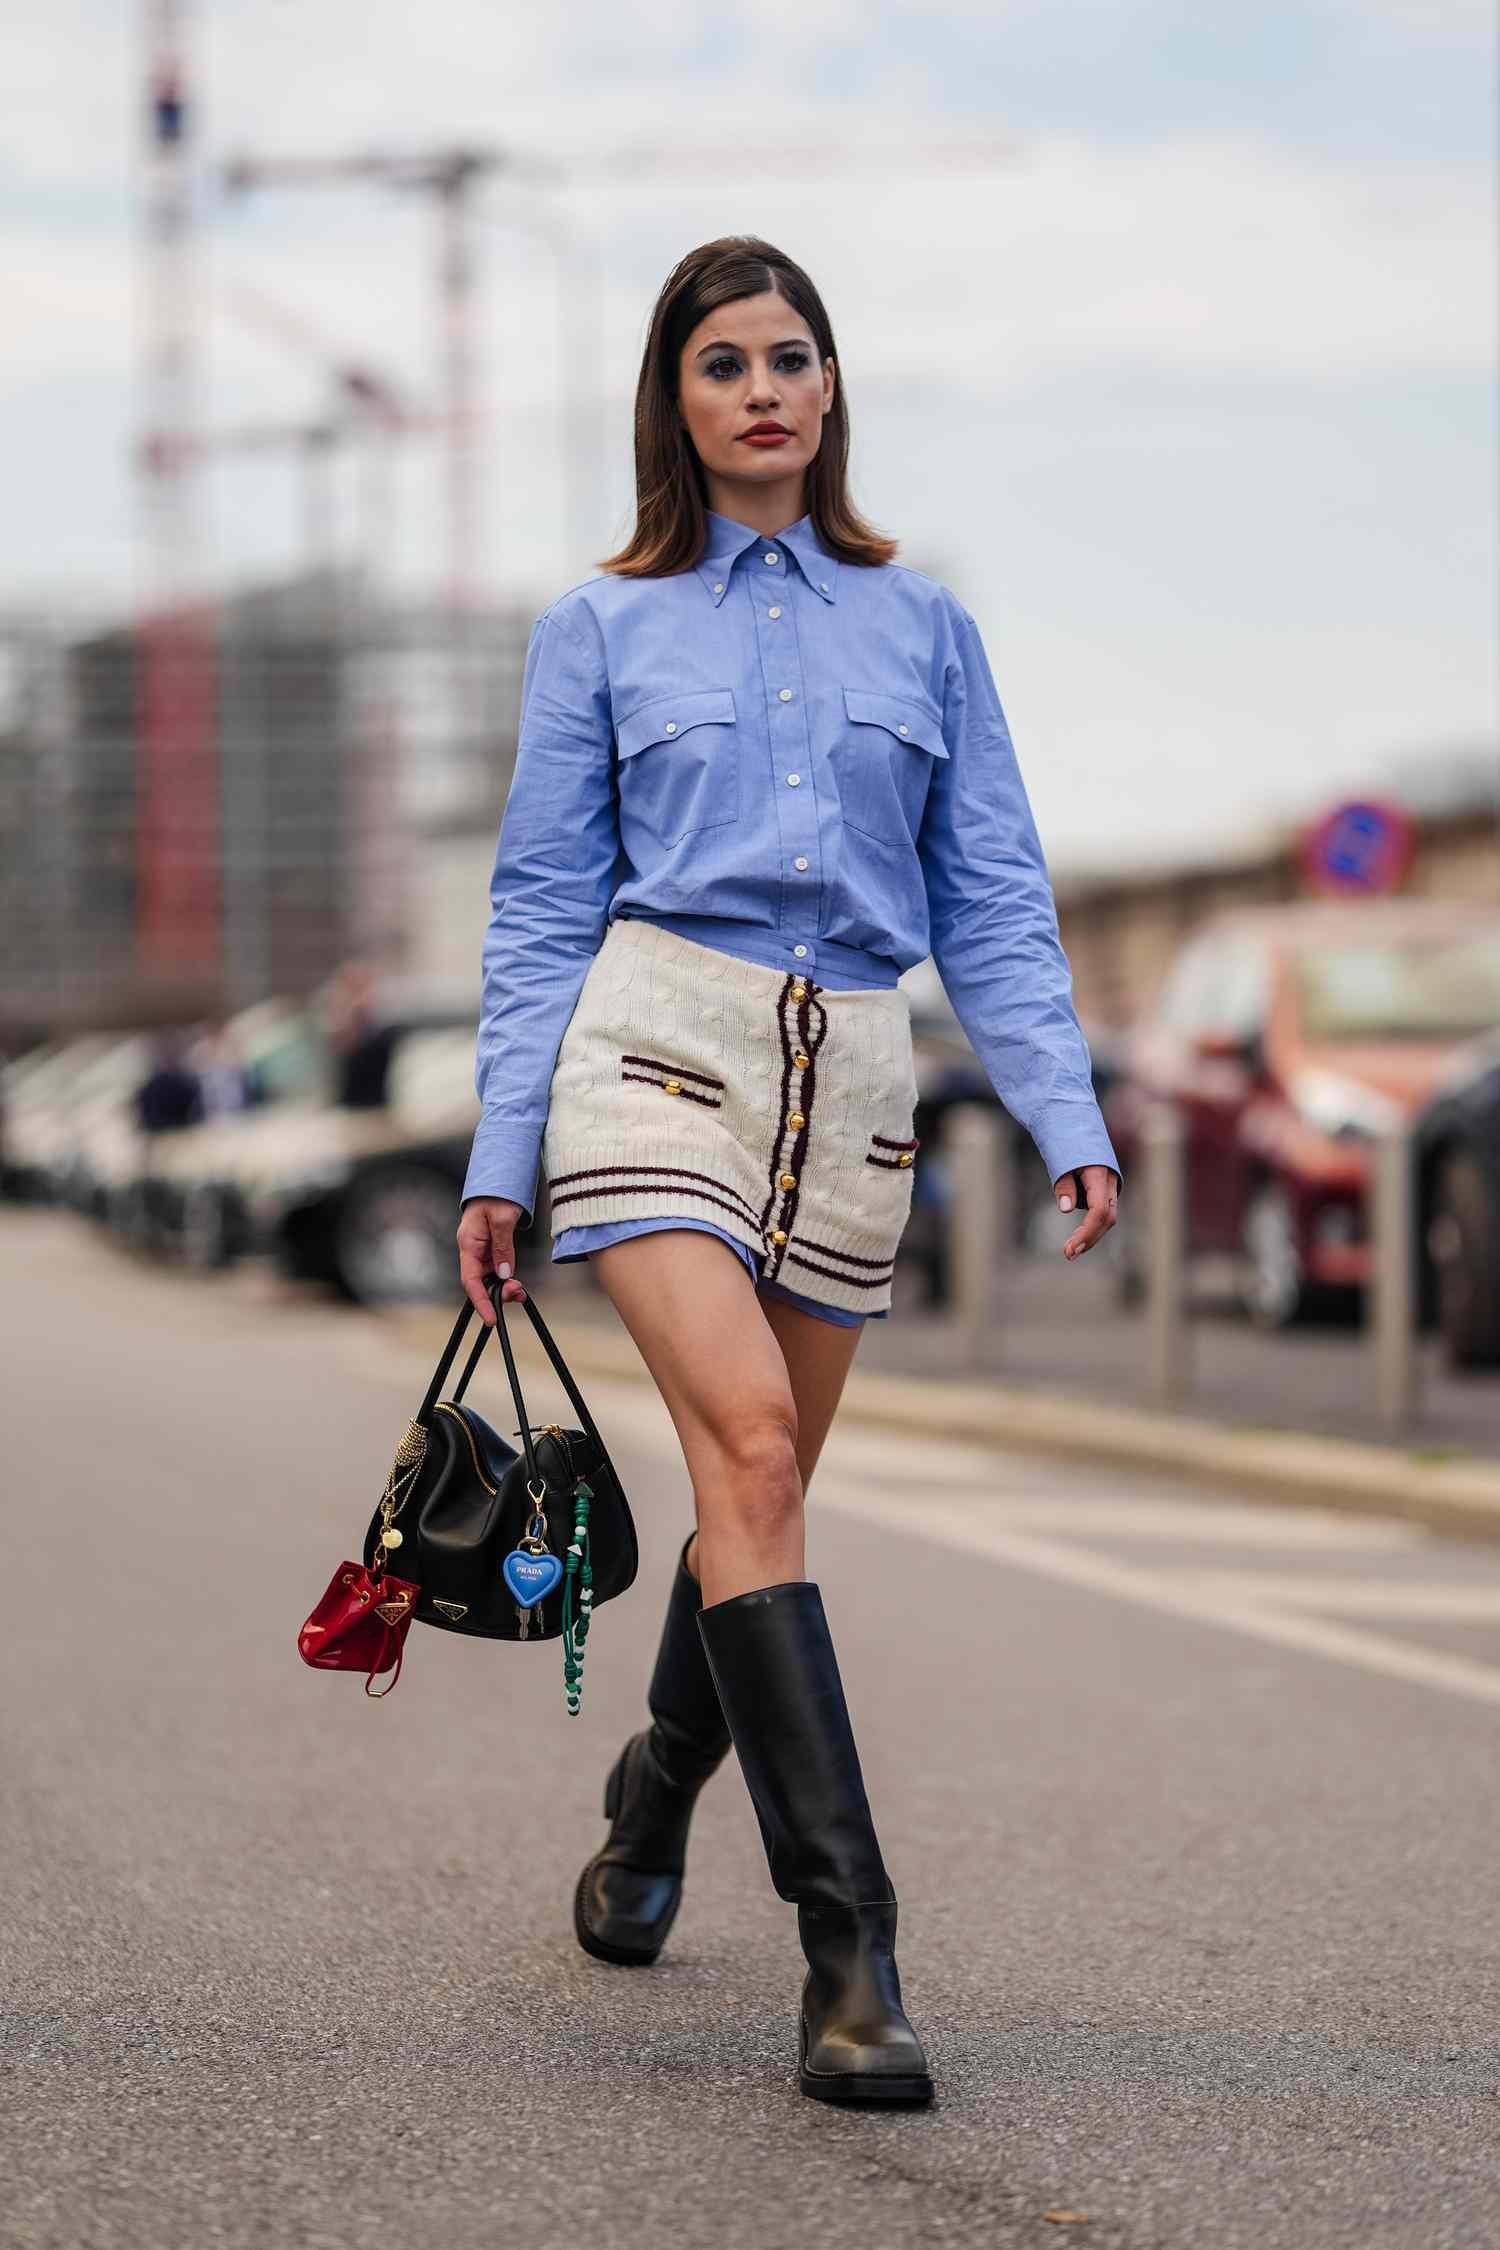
225	1085
762	770
361	1036
171	1094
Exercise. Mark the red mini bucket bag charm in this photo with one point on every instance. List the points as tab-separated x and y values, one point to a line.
360	1625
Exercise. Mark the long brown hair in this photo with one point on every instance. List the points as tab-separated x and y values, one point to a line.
670	493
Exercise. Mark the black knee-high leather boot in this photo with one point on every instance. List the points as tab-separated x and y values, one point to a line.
629	1893
774	1665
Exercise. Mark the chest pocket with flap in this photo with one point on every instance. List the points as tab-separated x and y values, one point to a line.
883	762
679	765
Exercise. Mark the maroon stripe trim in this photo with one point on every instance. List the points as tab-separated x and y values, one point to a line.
674	1070
849	1280
848	1256
786	1106
807	1089
889	1163
797	1153
697	1195
640	1172
683	1093
878	1140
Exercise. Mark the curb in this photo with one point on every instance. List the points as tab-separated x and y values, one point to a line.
1461	1498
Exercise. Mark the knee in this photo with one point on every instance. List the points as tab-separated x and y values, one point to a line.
759	1448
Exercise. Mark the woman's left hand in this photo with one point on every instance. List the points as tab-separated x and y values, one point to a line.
1102	1188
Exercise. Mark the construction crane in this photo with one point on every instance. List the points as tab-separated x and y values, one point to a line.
451	177
368	409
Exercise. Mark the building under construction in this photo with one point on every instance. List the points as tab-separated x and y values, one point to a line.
345	753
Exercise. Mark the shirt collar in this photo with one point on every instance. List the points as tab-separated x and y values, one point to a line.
727	540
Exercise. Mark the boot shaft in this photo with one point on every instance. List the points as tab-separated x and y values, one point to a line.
689	1734
773	1663
772	1660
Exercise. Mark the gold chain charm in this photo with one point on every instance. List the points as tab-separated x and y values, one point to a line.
411	1452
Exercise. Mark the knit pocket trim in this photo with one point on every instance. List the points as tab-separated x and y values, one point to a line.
892	1156
672	1078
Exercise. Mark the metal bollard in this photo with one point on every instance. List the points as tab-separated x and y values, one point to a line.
1167	1327
979	1178
1391	1301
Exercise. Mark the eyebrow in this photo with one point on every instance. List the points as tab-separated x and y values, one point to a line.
721	344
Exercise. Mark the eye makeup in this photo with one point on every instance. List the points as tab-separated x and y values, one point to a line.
793	360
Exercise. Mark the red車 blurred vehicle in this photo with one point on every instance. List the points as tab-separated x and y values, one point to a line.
1287	1038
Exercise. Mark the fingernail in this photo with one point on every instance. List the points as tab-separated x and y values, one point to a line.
1065	1203
504	1272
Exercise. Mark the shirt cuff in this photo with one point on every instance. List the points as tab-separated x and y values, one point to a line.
1070	1135
504	1161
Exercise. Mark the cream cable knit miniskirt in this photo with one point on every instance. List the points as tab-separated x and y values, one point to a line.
692	1084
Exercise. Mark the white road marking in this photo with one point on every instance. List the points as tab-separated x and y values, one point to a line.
1355	1597
974	1531
1199	1523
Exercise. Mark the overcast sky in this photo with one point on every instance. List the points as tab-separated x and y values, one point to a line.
1190	397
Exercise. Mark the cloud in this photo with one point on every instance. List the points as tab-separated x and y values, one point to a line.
1203	253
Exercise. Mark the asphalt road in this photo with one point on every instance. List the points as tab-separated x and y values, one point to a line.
1191	1807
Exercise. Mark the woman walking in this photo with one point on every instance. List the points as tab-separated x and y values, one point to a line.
762	769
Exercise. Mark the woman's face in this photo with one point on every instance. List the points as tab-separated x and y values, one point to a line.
750	362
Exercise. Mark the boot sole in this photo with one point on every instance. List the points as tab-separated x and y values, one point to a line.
860	2089
619	1956
858	2086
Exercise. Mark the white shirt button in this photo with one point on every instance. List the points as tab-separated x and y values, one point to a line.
784	695
768	558
822	585
799	950
671	726
793	780
773	612
903	730
719	588
800	863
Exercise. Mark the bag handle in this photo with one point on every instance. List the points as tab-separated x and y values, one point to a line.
428	1406
494	1287
559	1364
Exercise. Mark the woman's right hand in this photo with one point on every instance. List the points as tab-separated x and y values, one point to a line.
486	1244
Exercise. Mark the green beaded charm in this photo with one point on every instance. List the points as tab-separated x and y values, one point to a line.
578	1598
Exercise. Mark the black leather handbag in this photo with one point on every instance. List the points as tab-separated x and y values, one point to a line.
504	1543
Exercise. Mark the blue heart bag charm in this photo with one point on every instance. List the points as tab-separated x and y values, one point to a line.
531	1578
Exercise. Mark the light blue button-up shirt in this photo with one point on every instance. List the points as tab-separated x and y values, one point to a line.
802	762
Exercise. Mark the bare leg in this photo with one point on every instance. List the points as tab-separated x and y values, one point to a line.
694	1316
818	1356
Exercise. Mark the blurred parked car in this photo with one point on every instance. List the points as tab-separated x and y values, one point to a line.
1458	1153
20	1070
50	1099
361	1192
170	1190
367	1198
1286	1037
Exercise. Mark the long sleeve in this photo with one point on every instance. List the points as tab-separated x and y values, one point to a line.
994	929
550	895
